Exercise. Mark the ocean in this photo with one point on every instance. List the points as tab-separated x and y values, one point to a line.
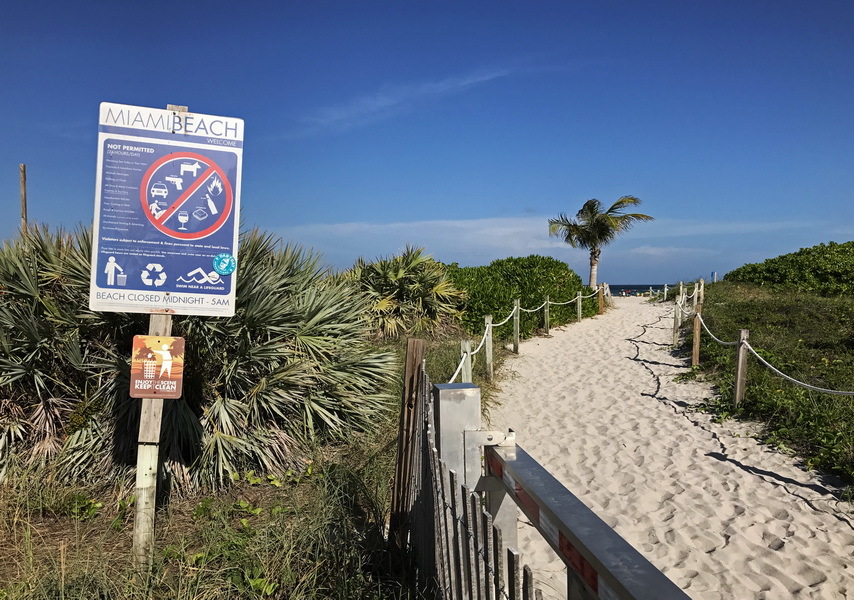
622	289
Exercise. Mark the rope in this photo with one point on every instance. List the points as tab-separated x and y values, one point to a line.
721	342
459	368
533	309
482	342
795	381
512	312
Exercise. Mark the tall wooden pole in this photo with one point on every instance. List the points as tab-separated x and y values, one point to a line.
147	461
148	449
24	198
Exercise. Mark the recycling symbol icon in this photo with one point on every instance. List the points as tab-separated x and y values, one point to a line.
153	275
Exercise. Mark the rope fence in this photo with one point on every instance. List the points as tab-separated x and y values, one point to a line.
743	346
464	365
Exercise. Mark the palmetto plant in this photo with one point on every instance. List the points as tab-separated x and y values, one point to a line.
292	365
594	227
409	293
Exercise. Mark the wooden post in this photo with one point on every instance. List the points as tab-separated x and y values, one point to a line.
676	311
516	316
578	305
546	314
148	455
695	295
490	369
402	491
148	451
601	299
681	288
665	291
702	291
465	354
698	326
741	367
24	198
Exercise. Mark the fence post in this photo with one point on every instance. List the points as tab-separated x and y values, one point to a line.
665	292
578	305
676	312
695	354
516	317
601	299
465	354
681	288
695	296
457	409
741	367
402	489
546	314
702	291
487	346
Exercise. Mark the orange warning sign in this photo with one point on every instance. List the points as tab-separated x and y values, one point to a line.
157	367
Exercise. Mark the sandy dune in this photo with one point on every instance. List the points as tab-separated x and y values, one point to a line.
722	515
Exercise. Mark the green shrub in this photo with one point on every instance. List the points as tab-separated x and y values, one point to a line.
491	290
827	270
806	336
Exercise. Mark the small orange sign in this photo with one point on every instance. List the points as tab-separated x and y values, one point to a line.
157	367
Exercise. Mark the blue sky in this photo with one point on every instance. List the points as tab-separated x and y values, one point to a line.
463	126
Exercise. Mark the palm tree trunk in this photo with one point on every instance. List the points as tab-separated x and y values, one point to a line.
594	267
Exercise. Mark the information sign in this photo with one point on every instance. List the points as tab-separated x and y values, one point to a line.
157	367
167	200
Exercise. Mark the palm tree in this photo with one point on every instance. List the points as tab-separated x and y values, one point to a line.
592	227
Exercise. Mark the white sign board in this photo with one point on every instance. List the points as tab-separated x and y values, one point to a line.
167	203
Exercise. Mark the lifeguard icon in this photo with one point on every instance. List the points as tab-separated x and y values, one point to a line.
157	367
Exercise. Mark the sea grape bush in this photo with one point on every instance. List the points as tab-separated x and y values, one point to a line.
826	269
491	289
808	337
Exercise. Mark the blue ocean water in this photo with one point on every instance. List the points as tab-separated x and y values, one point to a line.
635	289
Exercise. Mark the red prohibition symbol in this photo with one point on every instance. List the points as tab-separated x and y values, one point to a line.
186	196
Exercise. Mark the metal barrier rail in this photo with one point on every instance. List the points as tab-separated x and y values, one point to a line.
600	564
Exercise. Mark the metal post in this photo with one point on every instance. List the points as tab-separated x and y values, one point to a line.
457	407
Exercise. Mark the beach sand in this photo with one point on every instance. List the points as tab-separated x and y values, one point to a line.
722	515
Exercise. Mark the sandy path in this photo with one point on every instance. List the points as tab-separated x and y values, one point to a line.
723	516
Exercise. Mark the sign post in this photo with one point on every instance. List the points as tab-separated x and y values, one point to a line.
164	242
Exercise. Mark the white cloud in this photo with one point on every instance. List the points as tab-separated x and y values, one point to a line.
641	255
392	99
671	251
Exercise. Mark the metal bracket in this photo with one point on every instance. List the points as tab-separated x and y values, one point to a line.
485	437
475	440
